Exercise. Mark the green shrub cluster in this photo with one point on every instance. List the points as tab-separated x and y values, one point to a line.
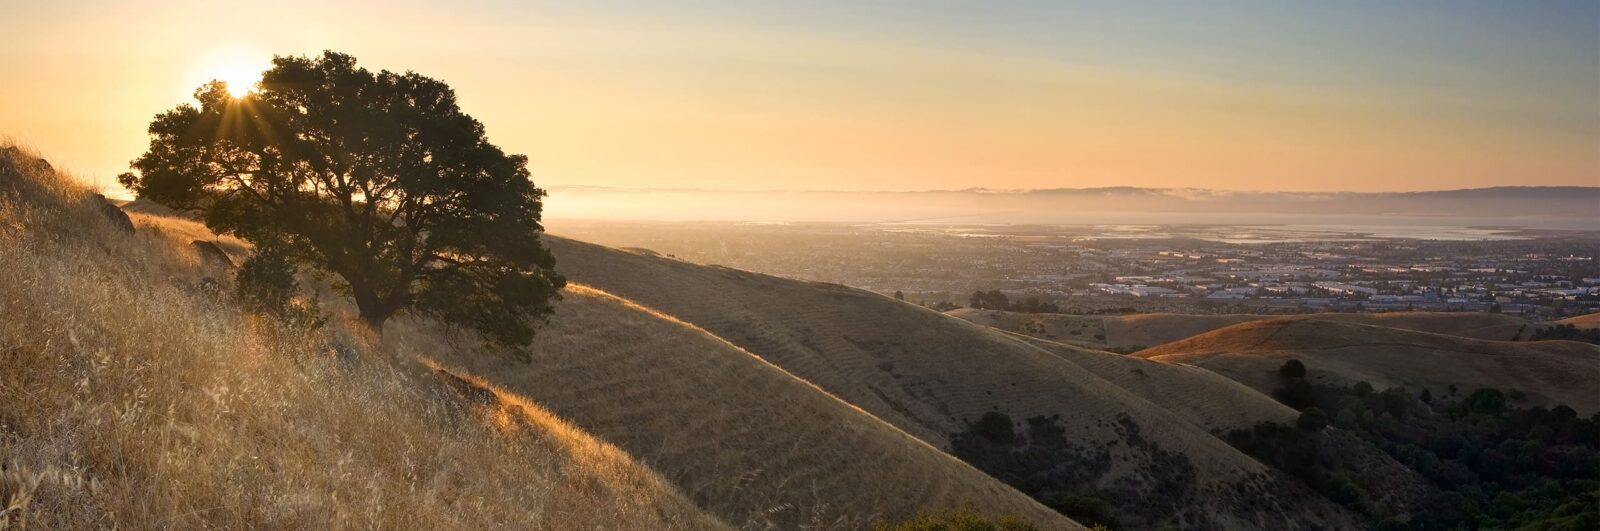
1040	461
1496	466
1568	332
265	283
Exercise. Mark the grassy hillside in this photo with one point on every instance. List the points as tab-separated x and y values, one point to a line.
747	440
136	395
1137	331
1476	325
1204	398
1517	329
1547	372
1103	331
931	376
1583	321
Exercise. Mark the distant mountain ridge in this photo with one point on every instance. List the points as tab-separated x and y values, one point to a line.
1066	205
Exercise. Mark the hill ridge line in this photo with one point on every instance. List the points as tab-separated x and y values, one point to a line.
1281	324
534	413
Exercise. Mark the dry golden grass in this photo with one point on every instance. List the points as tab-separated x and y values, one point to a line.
1155	329
1397	348
927	373
1549	372
1207	399
1583	321
1204	398
1103	331
1476	325
745	439
133	397
1512	328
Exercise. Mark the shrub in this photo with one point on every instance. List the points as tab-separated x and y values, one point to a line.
265	283
1491	465
1297	393
1043	462
1484	402
1313	419
1568	332
996	427
1292	369
1088	510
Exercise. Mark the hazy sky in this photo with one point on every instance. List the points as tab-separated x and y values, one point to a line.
927	94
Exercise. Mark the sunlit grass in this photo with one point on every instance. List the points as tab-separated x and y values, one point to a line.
133	395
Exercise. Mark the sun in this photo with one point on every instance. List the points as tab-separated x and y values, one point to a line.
240	78
238	68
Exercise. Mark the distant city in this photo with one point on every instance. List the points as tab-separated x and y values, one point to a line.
1542	274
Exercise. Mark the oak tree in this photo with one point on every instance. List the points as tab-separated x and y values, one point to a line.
376	177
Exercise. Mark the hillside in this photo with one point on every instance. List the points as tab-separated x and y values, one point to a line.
745	439
1103	331
1548	372
1583	321
931	375
1152	329
1476	325
135	396
1204	398
1517	329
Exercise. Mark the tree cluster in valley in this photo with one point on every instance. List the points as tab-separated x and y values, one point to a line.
1488	463
997	300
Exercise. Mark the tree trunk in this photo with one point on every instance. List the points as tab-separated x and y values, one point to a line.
374	321
373	311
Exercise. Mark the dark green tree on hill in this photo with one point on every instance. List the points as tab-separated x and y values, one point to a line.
1292	369
1568	332
989	300
376	177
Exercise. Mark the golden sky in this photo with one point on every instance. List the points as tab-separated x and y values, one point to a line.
897	95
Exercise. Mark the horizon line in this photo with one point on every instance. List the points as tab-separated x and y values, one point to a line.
1019	191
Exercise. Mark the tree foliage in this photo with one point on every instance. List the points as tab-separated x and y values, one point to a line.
1568	332
1493	465
1313	419
265	283
1292	369
376	177
996	300
1043	462
989	300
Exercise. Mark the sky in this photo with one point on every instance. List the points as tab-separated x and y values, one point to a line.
895	95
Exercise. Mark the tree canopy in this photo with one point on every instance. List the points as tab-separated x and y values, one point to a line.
376	177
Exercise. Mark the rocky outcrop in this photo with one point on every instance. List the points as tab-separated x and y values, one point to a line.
114	214
37	164
211	254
